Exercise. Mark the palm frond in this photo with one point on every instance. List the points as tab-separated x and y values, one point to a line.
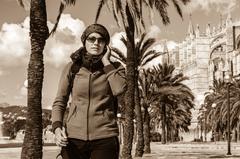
175	2
100	5
120	55
129	28
141	15
147	44
62	6
60	11
25	4
115	12
20	2
147	59
124	40
185	1
161	6
139	43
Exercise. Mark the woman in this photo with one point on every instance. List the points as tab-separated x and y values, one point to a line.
93	82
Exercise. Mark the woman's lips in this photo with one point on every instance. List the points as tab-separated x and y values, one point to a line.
94	48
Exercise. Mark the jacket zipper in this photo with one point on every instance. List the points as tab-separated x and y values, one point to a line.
89	102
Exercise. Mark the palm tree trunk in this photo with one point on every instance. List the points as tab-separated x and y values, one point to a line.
238	128
235	134
146	131
163	124
129	103
177	134
139	122
130	77
172	134
32	145
222	134
168	131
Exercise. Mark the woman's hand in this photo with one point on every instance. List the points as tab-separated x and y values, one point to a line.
61	137
106	57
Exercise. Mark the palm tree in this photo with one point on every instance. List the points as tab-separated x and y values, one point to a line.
148	98
168	85
32	145
144	56
178	114
132	19
235	110
214	116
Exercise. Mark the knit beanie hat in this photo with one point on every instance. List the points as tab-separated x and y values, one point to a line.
95	28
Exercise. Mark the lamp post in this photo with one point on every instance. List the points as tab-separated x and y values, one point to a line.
214	130
201	126
119	116
205	124
228	81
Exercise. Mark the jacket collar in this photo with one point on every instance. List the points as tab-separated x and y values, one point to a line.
92	63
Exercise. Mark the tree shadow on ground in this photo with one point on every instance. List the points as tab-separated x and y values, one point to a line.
225	156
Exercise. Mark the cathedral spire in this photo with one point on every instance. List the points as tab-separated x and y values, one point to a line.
165	50
191	31
208	30
229	19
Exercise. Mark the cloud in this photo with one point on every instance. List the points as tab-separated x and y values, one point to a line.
22	91
171	45
25	84
66	40
225	6
15	42
154	31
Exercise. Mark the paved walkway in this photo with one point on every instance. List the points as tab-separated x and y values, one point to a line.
192	151
159	151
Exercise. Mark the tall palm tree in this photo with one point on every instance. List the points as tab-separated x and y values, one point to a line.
32	145
144	56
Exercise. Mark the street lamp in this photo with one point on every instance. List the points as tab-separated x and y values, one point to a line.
201	125
228	81
119	116
214	130
205	124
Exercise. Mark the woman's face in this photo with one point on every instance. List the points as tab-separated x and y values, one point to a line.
95	44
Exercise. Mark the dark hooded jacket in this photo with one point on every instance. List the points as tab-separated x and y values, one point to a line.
91	113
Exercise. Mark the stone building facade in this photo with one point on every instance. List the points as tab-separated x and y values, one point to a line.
207	54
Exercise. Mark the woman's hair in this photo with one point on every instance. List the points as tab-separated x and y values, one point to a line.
95	28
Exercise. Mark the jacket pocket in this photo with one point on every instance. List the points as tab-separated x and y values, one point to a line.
72	110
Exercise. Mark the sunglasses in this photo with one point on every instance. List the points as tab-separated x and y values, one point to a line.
93	39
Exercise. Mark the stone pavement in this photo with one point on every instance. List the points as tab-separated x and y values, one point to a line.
193	151
169	151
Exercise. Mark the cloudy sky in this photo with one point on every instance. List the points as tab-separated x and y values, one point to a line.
15	44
